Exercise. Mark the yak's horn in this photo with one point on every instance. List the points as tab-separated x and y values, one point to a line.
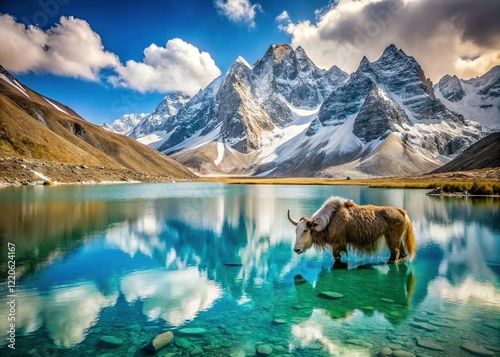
292	221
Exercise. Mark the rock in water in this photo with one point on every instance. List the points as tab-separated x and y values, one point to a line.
429	344
424	326
192	331
387	300
182	343
159	342
384	352
475	349
402	353
264	350
443	323
330	295
358	342
110	341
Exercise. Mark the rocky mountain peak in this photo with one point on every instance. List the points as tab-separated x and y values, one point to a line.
378	115
126	124
451	88
282	52
242	61
158	120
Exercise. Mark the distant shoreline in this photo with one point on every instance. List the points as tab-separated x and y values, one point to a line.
26	171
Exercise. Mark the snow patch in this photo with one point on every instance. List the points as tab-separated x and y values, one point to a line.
155	139
220	153
17	86
56	106
243	61
41	176
271	141
197	140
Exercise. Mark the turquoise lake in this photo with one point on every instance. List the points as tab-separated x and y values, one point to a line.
132	261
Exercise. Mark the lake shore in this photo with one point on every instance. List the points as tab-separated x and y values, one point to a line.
489	176
15	171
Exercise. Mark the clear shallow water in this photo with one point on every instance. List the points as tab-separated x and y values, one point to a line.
132	261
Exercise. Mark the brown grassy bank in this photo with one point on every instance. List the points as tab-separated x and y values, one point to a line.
483	181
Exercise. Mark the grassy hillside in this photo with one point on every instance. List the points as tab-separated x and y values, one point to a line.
33	128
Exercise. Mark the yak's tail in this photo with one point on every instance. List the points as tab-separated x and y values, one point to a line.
409	238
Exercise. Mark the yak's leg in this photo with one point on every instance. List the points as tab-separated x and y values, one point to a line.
336	252
402	252
337	264
393	245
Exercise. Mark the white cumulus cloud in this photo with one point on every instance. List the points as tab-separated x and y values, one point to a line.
179	66
70	48
446	37
238	11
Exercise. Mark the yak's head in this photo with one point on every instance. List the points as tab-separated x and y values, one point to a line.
303	238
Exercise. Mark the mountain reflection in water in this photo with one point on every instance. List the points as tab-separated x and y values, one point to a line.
101	259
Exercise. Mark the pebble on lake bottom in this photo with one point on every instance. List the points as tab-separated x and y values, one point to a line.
330	295
110	342
429	344
402	353
476	349
384	352
264	350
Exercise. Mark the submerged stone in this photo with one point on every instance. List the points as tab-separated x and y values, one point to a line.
110	341
279	321
442	323
264	350
384	352
159	342
182	343
387	300
420	319
476	349
402	353
358	342
162	340
429	344
192	331
424	326
330	295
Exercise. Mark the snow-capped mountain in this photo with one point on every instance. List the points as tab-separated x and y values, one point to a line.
157	120
126	124
251	100
476	99
284	116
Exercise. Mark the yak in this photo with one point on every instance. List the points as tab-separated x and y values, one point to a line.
341	222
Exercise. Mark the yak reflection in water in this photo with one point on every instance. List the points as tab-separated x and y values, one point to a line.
386	289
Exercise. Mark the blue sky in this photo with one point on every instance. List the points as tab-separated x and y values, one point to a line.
108	58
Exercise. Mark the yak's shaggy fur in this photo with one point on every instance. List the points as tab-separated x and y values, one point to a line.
340	222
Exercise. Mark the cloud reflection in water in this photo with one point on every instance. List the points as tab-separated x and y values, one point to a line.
174	296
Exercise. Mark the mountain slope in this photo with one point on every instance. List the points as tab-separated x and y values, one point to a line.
483	154
36	127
